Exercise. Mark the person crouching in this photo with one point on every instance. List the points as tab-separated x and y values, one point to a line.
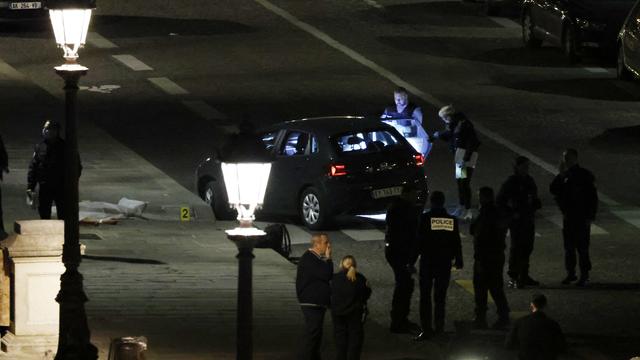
349	294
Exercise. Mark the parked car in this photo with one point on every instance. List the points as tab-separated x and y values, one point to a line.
22	10
628	50
326	167
574	24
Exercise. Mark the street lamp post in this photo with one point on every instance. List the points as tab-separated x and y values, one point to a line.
70	21
245	167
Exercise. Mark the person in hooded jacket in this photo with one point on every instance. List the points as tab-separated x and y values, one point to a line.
464	143
349	294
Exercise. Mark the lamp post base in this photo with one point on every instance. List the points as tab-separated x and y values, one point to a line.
244	320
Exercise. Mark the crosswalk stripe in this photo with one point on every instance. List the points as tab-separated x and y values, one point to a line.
132	62
596	70
168	86
468	286
203	109
298	234
100	41
630	216
364	234
595	229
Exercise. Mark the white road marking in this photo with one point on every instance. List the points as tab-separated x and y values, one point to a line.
596	70
395	79
100	41
132	62
557	220
364	234
9	72
507	23
104	89
630	216
168	86
298	234
374	4
203	109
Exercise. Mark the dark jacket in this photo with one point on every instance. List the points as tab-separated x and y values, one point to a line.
402	231
4	159
519	196
312	280
536	337
47	164
439	237
460	134
575	192
489	231
348	296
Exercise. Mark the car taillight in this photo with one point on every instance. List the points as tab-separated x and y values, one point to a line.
419	159
337	170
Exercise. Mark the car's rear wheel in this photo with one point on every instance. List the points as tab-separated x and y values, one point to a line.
621	68
313	210
569	44
528	35
219	206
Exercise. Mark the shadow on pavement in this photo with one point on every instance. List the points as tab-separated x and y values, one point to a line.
618	140
595	89
112	26
593	286
123	260
39	28
431	13
501	51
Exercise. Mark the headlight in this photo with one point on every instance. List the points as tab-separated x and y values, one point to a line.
590	25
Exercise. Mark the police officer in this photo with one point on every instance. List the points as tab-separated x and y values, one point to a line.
403	109
489	232
440	248
575	192
4	168
519	196
464	143
536	336
401	252
46	170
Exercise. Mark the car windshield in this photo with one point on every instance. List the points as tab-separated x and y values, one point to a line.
367	141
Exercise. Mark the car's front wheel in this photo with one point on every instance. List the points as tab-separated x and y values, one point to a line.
313	209
621	68
219	206
528	35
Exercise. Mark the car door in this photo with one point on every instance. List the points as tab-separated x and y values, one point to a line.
271	140
289	171
631	39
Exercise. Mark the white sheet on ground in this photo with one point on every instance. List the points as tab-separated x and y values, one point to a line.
99	210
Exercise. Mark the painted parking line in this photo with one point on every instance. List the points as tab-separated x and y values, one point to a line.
132	62
168	86
557	220
9	72
203	109
364	234
374	4
398	81
507	23
630	216
100	41
596	70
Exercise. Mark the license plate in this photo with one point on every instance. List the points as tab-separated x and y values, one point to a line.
25	5
386	192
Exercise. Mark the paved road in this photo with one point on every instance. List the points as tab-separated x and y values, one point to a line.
169	80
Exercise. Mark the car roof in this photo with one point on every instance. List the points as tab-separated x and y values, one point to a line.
330	125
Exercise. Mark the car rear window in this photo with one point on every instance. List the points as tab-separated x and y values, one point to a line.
369	141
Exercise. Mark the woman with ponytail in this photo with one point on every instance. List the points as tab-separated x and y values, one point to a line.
349	294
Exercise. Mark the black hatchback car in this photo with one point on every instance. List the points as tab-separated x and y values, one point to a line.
628	64
574	24
326	167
